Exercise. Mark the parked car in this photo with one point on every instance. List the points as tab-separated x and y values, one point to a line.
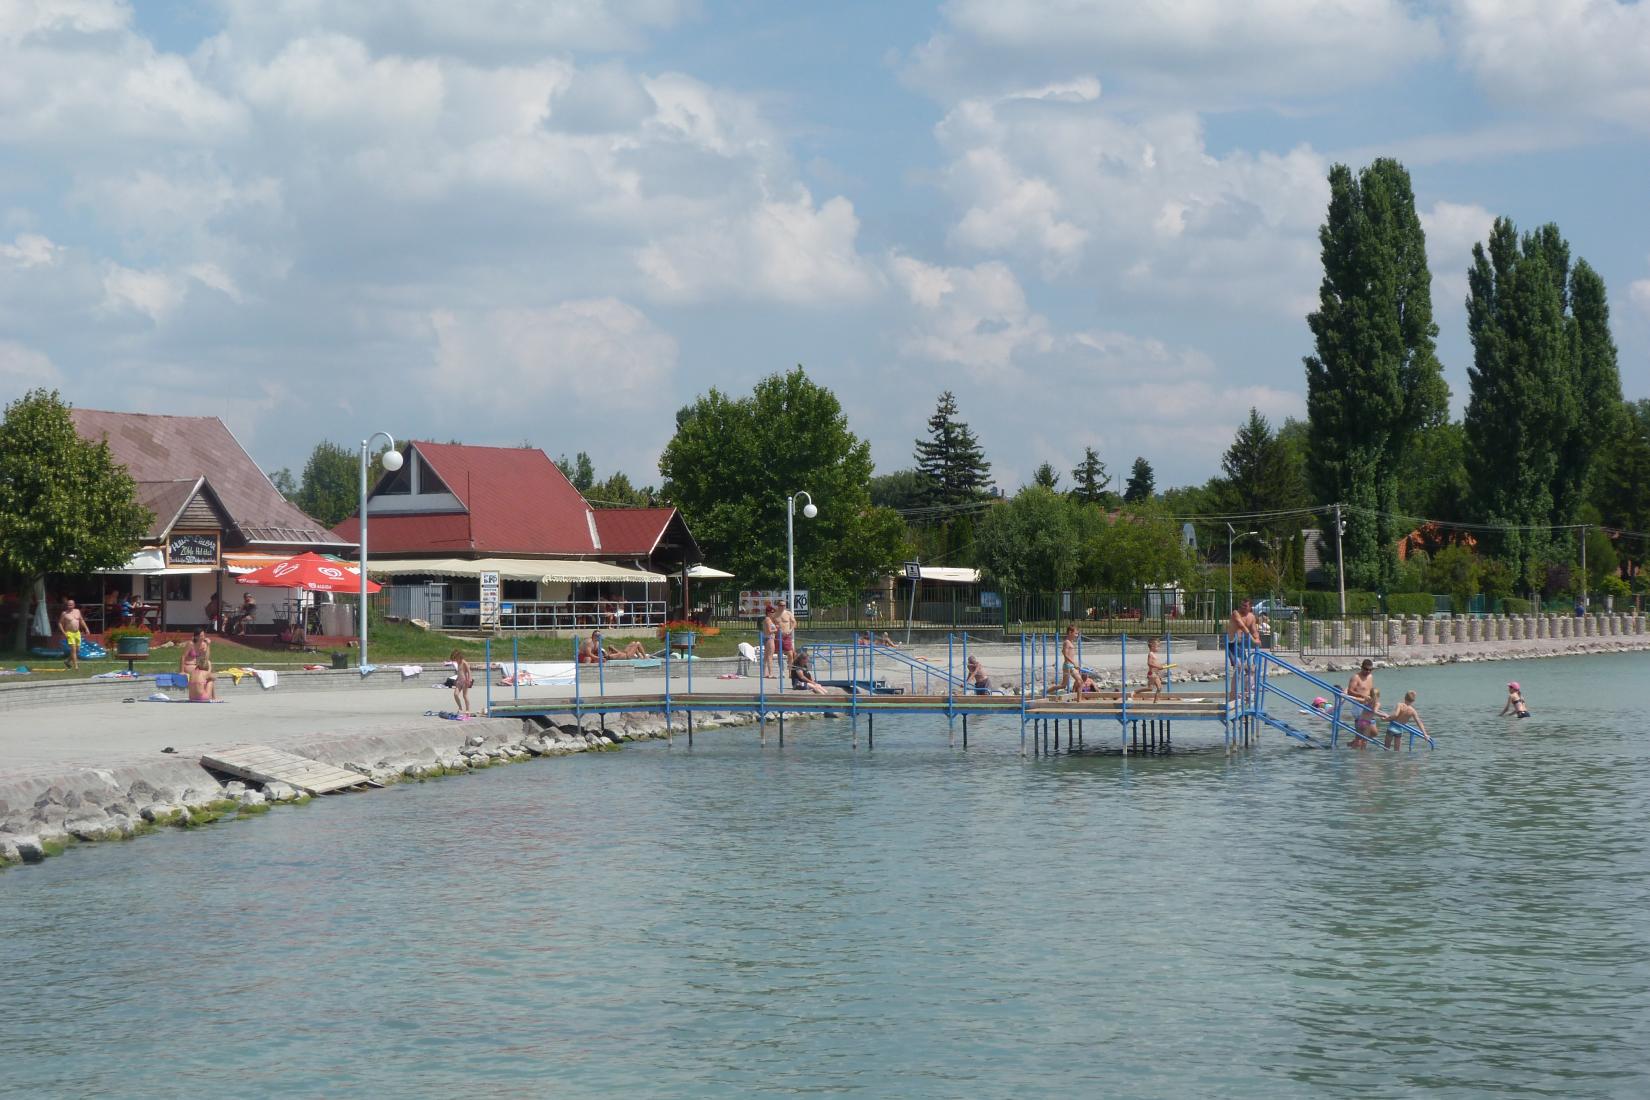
1276	609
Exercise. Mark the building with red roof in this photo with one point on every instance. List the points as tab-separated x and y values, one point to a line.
454	513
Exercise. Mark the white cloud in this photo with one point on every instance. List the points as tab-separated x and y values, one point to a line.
476	28
1560	57
602	351
30	250
786	251
1639	292
23	368
1452	229
1203	52
1141	206
974	317
151	292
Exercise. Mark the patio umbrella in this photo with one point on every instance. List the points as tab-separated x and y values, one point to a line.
312	573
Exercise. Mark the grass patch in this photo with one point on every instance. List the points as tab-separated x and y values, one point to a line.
57	845
252	809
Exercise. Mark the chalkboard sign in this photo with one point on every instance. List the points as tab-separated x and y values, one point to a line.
192	549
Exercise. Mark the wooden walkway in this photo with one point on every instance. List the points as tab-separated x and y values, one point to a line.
1108	705
262	764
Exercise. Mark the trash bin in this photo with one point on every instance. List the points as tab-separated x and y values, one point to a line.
340	660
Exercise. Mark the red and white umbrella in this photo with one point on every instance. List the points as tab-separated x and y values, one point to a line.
312	573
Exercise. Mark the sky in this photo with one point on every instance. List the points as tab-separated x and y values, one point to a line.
557	223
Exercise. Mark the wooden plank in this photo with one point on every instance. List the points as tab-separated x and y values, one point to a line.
263	764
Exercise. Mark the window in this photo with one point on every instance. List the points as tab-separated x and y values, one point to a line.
177	588
518	590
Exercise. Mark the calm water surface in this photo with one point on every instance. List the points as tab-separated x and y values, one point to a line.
915	921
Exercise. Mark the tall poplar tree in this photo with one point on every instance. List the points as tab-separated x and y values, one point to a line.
951	459
1374	379
1546	392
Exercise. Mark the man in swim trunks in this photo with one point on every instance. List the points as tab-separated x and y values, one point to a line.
1361	690
787	629
1069	672
1241	624
73	625
977	677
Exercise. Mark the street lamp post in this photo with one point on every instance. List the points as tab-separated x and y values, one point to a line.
808	512
392	462
1231	534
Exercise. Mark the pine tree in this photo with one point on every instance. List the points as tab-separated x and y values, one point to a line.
1090	480
951	460
1374	380
1260	476
1142	483
1045	476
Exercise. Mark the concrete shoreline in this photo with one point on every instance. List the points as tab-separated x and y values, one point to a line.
97	769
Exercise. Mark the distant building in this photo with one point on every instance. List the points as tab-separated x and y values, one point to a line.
454	512
216	515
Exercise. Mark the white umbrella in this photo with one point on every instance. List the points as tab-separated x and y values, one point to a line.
703	572
42	622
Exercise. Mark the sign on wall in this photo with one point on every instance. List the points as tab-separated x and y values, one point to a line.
489	601
754	602
192	549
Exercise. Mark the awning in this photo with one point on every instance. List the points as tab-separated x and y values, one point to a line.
152	563
514	569
950	574
703	572
251	563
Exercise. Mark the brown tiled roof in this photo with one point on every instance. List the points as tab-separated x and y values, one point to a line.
156	448
165	499
639	532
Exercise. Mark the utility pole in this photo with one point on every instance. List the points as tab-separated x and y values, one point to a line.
1340	564
1584	566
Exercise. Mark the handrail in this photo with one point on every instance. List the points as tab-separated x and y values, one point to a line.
1262	657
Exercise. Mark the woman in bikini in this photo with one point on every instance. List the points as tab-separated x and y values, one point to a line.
463	680
203	685
1515	702
198	651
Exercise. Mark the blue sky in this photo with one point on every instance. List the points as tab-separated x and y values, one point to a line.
559	222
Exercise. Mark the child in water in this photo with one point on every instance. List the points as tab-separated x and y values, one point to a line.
1515	702
1403	714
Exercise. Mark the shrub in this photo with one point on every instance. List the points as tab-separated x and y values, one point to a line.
684	626
1327	605
1613	585
1512	605
119	632
1410	603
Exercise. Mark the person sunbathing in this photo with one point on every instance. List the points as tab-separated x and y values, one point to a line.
203	685
635	651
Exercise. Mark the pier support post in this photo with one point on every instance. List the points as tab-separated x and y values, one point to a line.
870	731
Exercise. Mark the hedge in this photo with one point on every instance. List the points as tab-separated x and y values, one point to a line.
1411	603
1327	605
1511	605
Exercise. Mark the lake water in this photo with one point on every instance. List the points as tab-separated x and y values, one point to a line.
915	921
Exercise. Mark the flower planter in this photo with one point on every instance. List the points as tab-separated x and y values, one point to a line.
132	647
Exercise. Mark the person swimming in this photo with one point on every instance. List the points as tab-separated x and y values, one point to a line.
1515	702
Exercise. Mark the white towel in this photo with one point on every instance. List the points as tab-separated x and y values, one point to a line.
368	670
409	671
267	677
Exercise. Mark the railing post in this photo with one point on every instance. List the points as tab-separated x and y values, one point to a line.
667	687
1123	683
601	666
489	674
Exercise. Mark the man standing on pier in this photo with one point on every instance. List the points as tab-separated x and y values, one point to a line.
787	632
1241	624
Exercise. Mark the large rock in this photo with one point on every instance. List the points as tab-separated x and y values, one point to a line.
280	792
30	849
250	798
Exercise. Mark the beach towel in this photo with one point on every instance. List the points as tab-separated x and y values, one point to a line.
451	716
368	670
171	680
315	668
235	673
121	675
162	697
409	671
267	677
541	673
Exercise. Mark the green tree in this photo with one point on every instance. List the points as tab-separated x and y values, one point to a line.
1090	481
1046	477
617	492
1621	477
1261	477
581	471
733	462
1455	570
951	459
1140	546
1432	483
284	482
1524	410
330	488
1597	382
1029	543
902	490
66	506
1374	379
1142	483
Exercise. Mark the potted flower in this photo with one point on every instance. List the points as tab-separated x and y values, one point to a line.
130	641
